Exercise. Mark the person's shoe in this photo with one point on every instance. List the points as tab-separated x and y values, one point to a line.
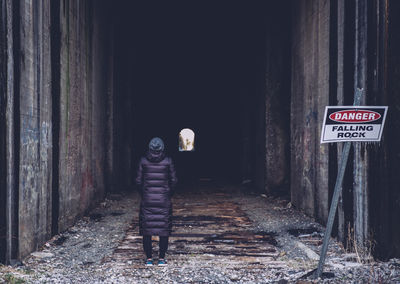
149	262
162	262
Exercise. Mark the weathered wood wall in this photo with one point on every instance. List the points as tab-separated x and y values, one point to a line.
389	200
277	100
384	162
65	95
83	92
35	143
54	100
338	46
10	83
3	107
309	96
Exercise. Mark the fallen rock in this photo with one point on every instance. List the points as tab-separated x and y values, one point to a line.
234	277
42	254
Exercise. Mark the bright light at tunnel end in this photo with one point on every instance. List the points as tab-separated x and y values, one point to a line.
186	140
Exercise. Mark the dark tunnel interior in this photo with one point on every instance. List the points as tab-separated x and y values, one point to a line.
250	78
194	66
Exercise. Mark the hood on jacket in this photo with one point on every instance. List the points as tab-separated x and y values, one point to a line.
156	151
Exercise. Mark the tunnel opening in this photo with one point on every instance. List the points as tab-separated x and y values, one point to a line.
186	140
87	84
200	66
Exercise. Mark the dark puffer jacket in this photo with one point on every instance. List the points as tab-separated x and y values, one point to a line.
156	178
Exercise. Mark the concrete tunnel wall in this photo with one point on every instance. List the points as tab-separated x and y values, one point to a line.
35	137
83	98
56	115
63	144
309	96
338	46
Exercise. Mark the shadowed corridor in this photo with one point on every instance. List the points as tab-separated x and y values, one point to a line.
85	85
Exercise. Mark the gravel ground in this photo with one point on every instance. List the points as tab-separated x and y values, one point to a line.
78	254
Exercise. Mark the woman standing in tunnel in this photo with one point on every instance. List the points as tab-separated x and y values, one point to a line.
156	179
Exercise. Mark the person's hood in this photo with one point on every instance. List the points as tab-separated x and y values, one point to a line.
156	150
155	156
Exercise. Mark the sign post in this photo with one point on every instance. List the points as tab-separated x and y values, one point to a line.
347	124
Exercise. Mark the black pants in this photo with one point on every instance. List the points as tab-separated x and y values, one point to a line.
148	248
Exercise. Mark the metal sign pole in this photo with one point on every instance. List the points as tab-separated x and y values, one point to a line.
336	194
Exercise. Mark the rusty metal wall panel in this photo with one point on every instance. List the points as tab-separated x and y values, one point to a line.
35	127
310	94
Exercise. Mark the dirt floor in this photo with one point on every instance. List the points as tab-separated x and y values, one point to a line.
222	234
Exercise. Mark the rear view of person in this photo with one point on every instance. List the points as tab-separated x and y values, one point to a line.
156	178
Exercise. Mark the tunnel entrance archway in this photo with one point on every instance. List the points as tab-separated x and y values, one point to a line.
181	64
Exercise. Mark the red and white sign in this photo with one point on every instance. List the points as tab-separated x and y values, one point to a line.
354	116
360	123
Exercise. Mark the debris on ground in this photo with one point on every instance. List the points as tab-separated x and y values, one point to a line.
221	235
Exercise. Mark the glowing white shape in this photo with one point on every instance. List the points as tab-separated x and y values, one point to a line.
186	140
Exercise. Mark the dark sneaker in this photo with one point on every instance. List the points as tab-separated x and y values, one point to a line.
149	262
162	262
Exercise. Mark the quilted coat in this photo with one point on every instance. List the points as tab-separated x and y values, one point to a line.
156	178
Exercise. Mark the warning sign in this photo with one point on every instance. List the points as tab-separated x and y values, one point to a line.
353	123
